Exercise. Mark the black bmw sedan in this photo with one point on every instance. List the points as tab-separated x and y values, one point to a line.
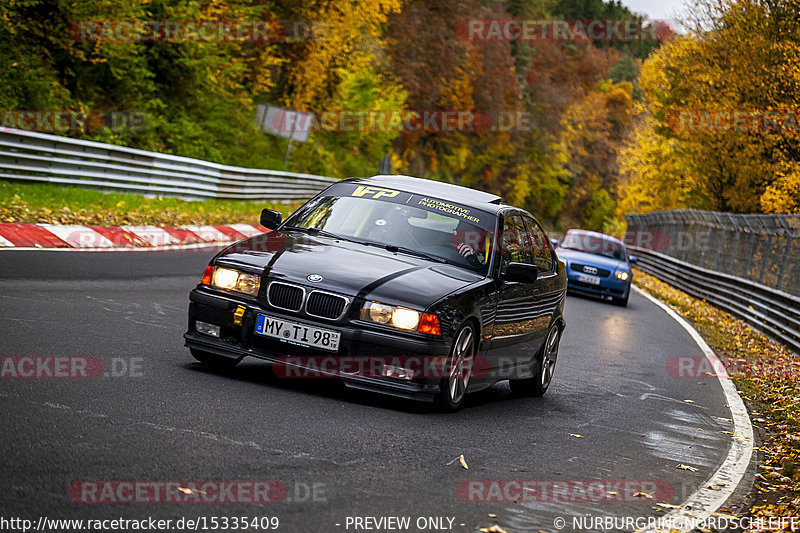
401	285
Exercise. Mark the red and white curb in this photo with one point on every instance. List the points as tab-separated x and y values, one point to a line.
114	238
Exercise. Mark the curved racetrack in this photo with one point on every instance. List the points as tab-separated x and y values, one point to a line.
369	455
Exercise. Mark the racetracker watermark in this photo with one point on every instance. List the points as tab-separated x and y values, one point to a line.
403	120
564	491
694	366
565	30
386	366
699	367
67	121
718	121
203	31
110	492
69	367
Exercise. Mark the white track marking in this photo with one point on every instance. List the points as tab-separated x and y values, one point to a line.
170	247
78	236
152	235
207	233
246	229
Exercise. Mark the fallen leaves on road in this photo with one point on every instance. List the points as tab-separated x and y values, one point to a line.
668	506
642	495
576	435
494	529
686	467
190	491
461	460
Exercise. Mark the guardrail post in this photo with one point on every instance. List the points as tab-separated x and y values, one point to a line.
694	239
753	241
766	258
784	261
735	248
720	237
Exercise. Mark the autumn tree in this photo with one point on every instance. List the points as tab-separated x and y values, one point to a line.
709	97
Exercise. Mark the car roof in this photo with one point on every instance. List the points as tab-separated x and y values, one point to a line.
594	233
444	191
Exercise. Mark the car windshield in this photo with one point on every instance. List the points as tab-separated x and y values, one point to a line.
403	222
593	244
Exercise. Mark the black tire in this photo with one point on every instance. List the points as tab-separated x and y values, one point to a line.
453	388
546	364
215	361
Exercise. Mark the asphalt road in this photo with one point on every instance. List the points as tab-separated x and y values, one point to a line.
159	415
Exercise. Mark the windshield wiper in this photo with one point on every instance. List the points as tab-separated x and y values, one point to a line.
317	231
400	249
409	251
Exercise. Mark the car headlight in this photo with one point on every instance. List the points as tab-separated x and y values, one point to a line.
235	280
400	317
622	275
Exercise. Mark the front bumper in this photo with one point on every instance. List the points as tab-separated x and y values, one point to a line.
608	287
237	341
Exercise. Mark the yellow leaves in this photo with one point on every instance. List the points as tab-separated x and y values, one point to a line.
783	194
669	506
686	467
348	26
726	170
461	460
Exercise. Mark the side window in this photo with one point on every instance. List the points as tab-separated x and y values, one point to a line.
542	257
515	244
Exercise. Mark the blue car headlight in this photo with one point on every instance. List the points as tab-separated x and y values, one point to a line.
622	275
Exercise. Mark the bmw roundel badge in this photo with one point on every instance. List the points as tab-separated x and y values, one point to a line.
314	278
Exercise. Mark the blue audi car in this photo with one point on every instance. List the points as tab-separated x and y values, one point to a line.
597	264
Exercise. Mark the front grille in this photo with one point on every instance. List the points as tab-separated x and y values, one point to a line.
283	296
325	305
583	285
603	273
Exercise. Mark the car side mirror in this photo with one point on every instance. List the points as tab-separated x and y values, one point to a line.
521	273
632	259
554	242
270	219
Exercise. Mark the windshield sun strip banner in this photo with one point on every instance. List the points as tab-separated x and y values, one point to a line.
432	204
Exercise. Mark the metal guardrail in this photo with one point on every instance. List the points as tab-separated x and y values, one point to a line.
40	157
774	313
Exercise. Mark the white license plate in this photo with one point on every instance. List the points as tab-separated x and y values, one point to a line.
297	333
594	280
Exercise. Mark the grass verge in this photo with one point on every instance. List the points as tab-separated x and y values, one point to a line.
768	378
53	204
